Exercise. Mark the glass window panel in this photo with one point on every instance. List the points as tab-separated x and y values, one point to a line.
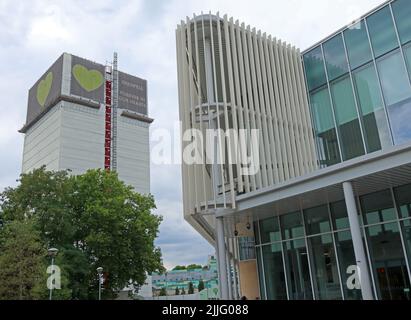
339	215
347	119
270	230
344	102
358	45
298	271
378	207
314	68
346	258
402	14
274	272
403	199
317	220
377	133
334	54
324	267
321	106
246	248
397	94
388	262
324	126
292	225
382	32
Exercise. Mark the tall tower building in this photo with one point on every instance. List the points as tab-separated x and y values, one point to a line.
332	194
83	115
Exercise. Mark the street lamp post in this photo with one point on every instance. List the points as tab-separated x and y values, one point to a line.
100	277
52	253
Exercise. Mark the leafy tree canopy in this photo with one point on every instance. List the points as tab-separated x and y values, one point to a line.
95	220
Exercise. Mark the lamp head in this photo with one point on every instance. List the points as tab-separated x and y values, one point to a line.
52	252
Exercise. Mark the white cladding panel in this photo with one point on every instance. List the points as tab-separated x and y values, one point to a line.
42	142
233	77
82	138
133	153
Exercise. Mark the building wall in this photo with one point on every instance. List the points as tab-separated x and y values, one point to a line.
42	142
82	138
71	136
233	77
133	153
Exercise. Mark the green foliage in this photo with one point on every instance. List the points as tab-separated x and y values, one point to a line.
194	266
189	267
177	293
179	268
21	261
190	288
201	285
94	220
183	292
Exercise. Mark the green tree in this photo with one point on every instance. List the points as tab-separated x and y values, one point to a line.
94	220
177	293
183	291
190	288
194	266
22	262
179	268
163	292
201	285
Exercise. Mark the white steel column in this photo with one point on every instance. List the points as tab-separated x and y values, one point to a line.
360	256
221	255
234	258
229	277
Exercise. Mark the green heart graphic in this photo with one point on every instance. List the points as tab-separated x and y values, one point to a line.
43	89
89	80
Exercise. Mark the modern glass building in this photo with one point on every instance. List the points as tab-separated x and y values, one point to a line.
359	85
329	212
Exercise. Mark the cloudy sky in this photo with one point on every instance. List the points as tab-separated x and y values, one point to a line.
33	34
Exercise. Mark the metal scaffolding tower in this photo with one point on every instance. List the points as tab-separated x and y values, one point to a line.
115	106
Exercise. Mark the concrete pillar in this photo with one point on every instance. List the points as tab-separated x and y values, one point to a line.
360	256
221	256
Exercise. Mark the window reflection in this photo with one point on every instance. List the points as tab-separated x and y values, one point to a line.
377	133
334	54
397	94
292	226
325	270
382	32
347	119
274	272
388	262
325	128
314	68
298	271
358	45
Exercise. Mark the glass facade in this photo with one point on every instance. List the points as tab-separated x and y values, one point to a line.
359	85
312	251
